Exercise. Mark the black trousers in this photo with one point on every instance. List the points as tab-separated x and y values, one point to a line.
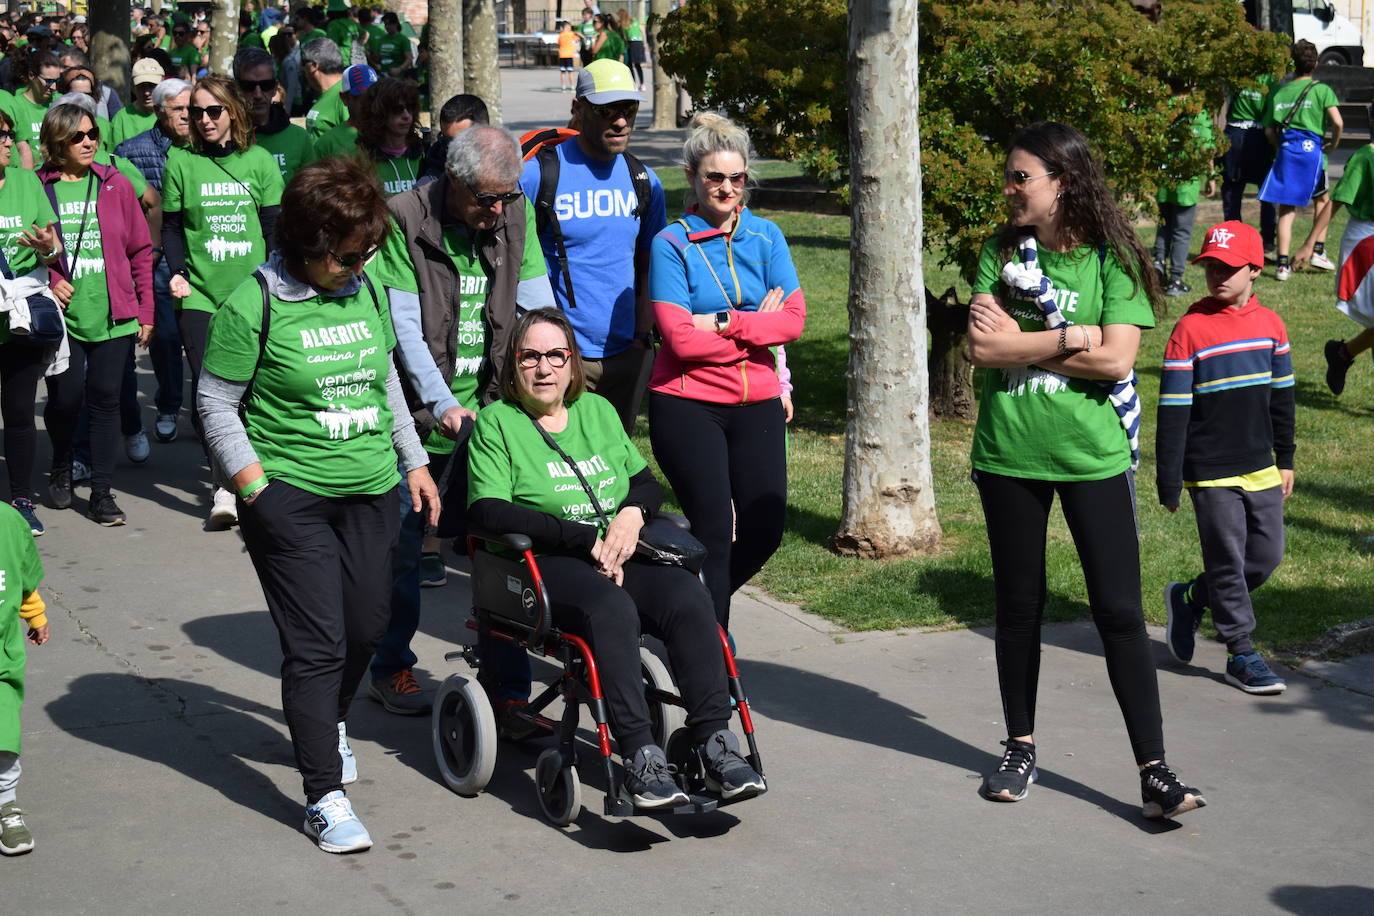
728	467
194	327
325	568
96	373
669	603
1101	518
21	366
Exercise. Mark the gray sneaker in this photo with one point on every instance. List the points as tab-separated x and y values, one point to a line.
728	774
650	781
15	838
401	694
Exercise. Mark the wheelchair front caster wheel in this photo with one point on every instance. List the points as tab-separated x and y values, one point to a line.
464	732
664	718
560	791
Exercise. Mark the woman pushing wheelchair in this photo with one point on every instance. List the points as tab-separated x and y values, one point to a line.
533	457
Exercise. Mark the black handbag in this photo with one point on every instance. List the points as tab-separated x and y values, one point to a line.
661	541
45	321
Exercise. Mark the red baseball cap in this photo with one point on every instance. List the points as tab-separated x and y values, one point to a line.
1234	243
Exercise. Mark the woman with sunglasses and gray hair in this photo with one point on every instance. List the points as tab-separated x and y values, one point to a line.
220	201
105	286
305	344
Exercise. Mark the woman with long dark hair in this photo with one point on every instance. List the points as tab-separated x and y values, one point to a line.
220	202
1061	296
609	43
388	117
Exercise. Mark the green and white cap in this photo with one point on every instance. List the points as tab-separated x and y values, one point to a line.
605	81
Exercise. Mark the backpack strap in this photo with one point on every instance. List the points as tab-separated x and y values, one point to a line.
639	176
545	217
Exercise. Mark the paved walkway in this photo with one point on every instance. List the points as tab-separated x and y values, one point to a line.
159	777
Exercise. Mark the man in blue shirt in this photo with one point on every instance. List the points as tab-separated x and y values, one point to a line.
605	236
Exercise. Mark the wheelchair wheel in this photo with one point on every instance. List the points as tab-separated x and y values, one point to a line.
665	718
560	791
464	732
682	755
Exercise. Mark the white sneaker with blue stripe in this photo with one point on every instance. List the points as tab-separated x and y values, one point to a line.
350	763
331	823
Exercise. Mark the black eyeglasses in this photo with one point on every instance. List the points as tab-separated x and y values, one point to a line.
735	178
1020	179
350	261
50	81
616	110
558	357
8	135
214	111
491	200
81	135
266	87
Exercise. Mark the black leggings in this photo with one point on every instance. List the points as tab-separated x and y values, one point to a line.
1101	518
21	366
194	326
667	602
728	467
96	374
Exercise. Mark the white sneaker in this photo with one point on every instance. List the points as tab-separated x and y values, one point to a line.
1283	273
1321	262
350	763
331	823
136	447
224	511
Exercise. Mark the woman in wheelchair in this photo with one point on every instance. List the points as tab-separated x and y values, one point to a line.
520	483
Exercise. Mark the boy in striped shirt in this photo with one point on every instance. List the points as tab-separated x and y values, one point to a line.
1226	434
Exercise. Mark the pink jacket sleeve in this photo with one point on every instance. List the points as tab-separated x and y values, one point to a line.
690	344
139	247
769	329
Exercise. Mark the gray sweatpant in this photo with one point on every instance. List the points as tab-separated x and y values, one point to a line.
1242	544
9	776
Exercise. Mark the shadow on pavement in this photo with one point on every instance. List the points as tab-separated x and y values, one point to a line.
162	722
248	638
1322	901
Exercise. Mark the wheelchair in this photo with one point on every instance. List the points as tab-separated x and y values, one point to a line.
511	605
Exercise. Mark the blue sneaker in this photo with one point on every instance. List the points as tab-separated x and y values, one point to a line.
1251	673
25	508
331	823
1184	619
350	763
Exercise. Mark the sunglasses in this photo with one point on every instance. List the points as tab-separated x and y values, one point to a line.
557	357
1020	179
717	178
616	110
214	111
350	261
266	87
491	200
50	81
8	135
81	135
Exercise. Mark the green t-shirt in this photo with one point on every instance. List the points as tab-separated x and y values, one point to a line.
1041	425
398	173
312	35
290	147
636	31
340	140
23	203
1356	187
1187	194
187	56
375	33
28	124
219	201
88	314
392	51
613	48
126	168
327	112
20	572
1248	104
341	31
251	39
508	459
1311	116
318	415
588	32
127	123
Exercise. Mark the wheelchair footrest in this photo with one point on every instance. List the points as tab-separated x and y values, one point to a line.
700	804
620	806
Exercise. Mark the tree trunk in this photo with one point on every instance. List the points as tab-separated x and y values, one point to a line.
665	88
951	393
224	36
889	497
109	25
481	68
519	17
445	54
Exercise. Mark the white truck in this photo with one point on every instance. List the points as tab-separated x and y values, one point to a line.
1338	40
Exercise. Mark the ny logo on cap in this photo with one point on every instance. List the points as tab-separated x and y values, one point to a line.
1220	237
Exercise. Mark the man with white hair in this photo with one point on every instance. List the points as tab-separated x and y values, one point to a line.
464	260
322	66
148	151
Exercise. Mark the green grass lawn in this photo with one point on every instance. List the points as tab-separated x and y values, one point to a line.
1327	576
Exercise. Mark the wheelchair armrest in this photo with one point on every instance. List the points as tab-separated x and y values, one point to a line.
520	542
679	520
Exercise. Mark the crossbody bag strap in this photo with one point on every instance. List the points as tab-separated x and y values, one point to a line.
1293	112
596	503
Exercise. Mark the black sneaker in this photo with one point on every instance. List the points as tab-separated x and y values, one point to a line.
25	508
1184	619
650	781
1164	795
1337	365
60	487
1177	288
728	774
103	511
1014	774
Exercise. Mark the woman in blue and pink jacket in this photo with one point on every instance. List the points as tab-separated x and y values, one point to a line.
724	292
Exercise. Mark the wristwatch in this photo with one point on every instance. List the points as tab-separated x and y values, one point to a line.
722	321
